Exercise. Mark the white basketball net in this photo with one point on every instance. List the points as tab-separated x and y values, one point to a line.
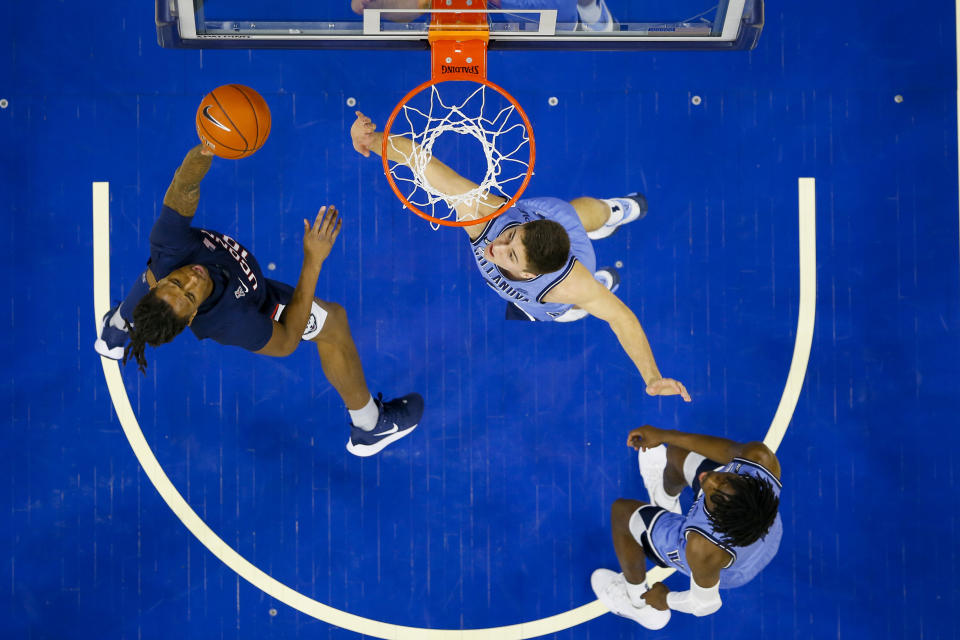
425	126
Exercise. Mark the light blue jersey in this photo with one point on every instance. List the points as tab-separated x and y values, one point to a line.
668	532
528	294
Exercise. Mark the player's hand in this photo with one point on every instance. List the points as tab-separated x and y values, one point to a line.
318	240
645	437
668	387
361	132
205	150
656	596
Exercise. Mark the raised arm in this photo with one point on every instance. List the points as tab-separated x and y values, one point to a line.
366	138
715	448
183	194
582	289
317	242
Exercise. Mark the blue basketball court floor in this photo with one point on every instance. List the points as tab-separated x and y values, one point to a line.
496	510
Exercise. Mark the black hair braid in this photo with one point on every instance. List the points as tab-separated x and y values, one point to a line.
154	323
746	515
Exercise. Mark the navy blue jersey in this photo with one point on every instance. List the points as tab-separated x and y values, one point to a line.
238	310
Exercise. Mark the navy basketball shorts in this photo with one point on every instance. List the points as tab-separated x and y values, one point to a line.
279	295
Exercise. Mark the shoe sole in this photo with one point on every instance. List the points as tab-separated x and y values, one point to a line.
366	450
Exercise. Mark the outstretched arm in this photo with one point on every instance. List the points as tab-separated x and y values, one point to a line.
317	242
183	194
719	449
582	289
366	138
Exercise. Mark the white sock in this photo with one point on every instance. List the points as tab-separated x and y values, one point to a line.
590	13
365	418
664	498
634	591
618	209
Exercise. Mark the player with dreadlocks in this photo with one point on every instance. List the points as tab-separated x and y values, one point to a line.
206	280
727	537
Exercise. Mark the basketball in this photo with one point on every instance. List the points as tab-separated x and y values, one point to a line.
233	121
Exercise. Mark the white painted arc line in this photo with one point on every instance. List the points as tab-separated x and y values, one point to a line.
205	535
325	613
101	249
806	315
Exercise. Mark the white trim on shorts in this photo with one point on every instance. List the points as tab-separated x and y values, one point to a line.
690	464
637	528
318	316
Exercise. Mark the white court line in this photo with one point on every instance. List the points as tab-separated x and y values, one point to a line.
320	611
805	315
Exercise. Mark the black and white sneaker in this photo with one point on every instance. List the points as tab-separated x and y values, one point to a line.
398	418
627	209
114	334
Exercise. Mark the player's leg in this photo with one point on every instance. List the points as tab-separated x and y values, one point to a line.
593	212
684	468
339	358
375	423
602	217
653	470
673	479
630	555
622	593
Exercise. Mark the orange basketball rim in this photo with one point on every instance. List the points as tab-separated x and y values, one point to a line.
458	35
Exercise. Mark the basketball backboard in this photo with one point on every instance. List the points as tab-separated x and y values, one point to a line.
392	24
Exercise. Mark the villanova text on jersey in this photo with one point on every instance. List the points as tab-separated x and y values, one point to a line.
528	295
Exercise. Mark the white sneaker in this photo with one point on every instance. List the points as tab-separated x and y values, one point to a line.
633	207
652	463
611	591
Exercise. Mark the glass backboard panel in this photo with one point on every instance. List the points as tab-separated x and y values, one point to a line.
559	24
